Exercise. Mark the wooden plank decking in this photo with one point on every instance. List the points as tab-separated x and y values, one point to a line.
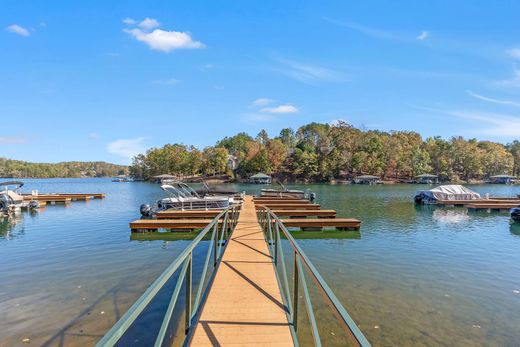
244	305
172	214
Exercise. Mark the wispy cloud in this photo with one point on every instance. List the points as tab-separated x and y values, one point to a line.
423	36
493	100
129	21
492	124
19	30
127	148
513	82
12	140
307	73
514	52
483	123
379	33
262	102
368	31
169	81
161	40
281	109
258	117
206	67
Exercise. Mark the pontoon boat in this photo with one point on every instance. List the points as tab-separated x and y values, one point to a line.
184	197
452	192
11	201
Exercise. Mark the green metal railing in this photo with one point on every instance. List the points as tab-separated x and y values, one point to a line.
273	228
184	263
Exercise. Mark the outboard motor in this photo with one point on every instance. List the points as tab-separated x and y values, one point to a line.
312	197
33	204
515	214
5	202
146	210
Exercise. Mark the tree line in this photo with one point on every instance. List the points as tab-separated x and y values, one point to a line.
322	152
19	168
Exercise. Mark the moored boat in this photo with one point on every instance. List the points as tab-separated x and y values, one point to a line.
287	193
183	197
451	192
11	200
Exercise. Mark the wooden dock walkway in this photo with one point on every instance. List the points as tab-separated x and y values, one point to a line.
244	306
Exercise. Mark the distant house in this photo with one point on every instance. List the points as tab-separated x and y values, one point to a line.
502	179
427	179
367	179
260	178
231	162
160	178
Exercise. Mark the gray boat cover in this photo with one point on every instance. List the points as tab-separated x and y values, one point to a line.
451	192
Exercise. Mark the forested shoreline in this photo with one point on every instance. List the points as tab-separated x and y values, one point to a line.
21	169
323	152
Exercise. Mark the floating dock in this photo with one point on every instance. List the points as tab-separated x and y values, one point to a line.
284	206
497	207
298	214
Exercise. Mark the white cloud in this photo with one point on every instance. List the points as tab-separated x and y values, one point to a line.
16	29
127	148
514	52
262	102
280	109
12	140
423	36
165	41
493	100
129	21
307	73
148	24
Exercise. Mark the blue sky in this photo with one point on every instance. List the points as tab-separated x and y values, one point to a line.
102	80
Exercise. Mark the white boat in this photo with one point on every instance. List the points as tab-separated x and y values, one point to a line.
451	192
183	197
11	201
287	193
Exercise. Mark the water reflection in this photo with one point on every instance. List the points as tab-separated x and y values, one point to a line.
11	226
514	228
450	216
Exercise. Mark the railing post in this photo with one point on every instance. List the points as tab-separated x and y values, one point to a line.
276	240
215	231
295	293
269	224
188	293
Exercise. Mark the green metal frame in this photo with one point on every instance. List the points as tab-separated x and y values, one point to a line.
184	262
272	227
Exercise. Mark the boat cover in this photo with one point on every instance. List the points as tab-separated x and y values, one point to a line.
451	192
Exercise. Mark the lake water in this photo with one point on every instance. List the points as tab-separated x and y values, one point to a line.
417	276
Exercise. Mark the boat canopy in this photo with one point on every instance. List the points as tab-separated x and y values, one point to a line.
426	176
12	183
451	192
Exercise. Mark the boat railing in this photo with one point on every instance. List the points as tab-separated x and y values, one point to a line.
274	230
219	234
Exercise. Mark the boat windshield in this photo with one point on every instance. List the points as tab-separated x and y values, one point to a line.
172	191
15	184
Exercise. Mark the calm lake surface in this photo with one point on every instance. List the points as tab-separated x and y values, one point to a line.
417	276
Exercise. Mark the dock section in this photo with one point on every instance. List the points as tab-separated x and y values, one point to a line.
244	305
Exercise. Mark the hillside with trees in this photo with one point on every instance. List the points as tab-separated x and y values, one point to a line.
18	169
321	152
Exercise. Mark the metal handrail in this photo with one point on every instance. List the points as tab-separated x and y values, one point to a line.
273	227
219	237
